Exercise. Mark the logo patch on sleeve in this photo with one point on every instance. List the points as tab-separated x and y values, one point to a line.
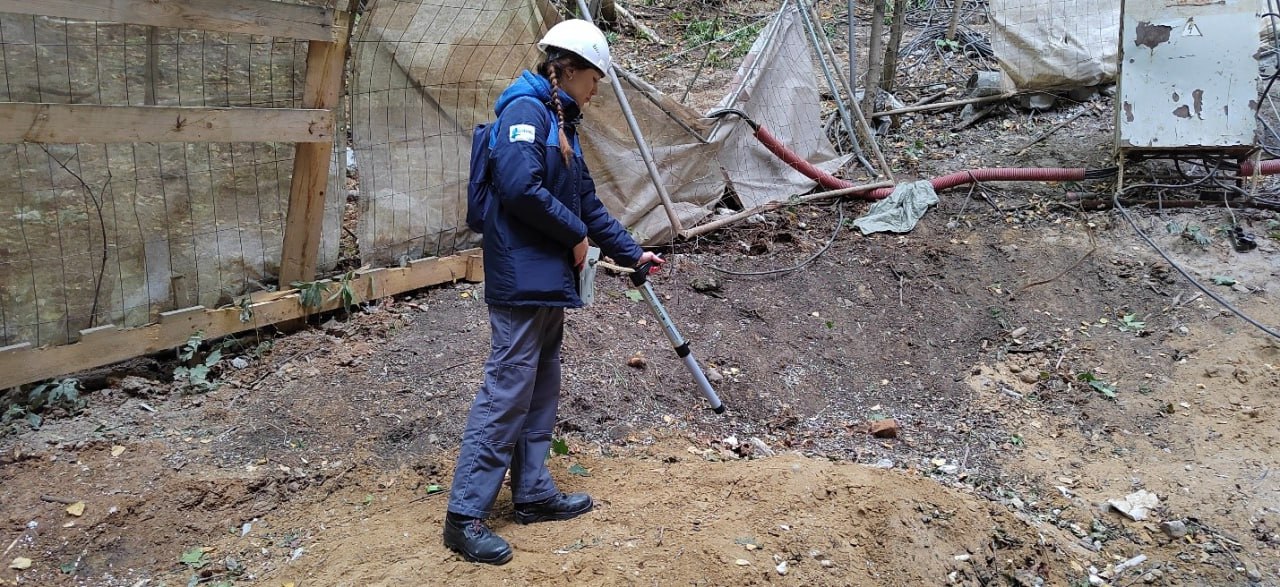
522	133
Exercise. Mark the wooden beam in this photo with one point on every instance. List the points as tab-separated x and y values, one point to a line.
28	122
253	17
305	219
104	345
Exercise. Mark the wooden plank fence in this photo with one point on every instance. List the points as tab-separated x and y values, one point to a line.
312	128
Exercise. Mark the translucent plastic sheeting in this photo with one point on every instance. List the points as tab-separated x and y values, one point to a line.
428	71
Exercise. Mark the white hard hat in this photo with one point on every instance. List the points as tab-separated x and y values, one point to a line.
582	38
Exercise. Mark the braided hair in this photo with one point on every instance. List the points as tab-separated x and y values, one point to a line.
557	63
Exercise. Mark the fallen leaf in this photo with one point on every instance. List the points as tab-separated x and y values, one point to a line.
76	509
117	450
579	470
21	563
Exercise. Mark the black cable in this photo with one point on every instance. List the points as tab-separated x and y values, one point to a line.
831	241
1115	201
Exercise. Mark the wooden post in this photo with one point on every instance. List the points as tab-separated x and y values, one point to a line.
895	42
305	219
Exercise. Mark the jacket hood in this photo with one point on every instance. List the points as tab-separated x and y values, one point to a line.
532	84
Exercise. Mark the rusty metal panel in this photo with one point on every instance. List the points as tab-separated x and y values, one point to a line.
1188	78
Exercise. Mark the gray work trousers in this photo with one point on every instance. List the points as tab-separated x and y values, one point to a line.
511	420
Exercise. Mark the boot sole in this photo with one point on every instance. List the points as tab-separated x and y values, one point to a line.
522	518
501	559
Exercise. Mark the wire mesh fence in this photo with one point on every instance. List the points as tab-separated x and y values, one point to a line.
116	233
94	234
427	71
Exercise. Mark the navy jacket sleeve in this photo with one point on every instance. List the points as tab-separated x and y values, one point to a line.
606	231
519	172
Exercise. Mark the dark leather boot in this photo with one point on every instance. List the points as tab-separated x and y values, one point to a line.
559	507
473	540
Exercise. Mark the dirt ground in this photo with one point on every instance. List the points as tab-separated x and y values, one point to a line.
1039	359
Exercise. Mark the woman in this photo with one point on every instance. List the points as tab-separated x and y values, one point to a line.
535	240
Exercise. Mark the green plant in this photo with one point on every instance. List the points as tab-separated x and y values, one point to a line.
195	374
1107	390
701	31
1130	323
195	557
54	394
312	294
948	45
1191	233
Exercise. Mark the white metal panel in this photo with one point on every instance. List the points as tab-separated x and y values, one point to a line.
1188	78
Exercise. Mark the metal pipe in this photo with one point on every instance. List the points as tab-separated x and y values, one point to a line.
831	83
853	58
640	280
858	115
645	153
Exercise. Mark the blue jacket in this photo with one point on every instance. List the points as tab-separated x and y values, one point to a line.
542	206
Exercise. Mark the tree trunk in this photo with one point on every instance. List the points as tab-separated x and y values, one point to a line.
895	42
875	56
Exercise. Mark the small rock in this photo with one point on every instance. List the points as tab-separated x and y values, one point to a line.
1251	571
1152	576
1240	288
1017	332
1213	371
884	464
761	448
782	568
637	361
136	386
742	562
1029	376
755	219
714	375
886	428
1036	101
1174	528
826	563
706	285
949	469
1137	505
1242	375
239	363
730	441
432	439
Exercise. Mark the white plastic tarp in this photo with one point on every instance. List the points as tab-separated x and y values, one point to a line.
1057	44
